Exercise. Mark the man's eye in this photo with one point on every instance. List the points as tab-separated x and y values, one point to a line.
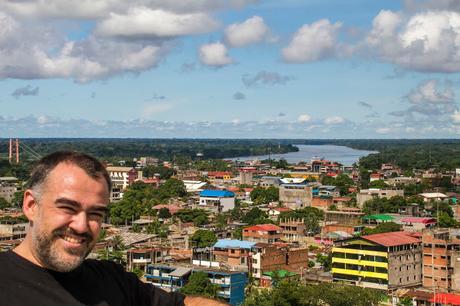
96	216
67	209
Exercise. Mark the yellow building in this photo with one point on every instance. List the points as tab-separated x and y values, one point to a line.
381	261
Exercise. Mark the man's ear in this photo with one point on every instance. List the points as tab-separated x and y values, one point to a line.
29	205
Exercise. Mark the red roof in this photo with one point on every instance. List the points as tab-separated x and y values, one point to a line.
263	227
418	220
446	298
281	209
392	238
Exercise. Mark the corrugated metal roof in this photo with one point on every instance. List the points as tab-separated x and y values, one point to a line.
424	220
233	244
264	227
392	238
379	217
217	193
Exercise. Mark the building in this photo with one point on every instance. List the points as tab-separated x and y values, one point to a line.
268	233
293	230
369	194
166	277
295	195
217	200
121	178
323	202
13	231
268	181
231	285
273	257
433	196
441	259
7	192
141	258
345	221
232	254
226	253
384	261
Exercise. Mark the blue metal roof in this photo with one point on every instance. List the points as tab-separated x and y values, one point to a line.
217	193
233	244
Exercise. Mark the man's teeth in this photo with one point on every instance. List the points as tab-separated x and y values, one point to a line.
72	239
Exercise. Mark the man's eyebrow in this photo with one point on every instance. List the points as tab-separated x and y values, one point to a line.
76	204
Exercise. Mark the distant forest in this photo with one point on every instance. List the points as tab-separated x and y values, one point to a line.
405	153
164	149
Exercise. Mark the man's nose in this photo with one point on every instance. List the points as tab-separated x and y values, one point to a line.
80	223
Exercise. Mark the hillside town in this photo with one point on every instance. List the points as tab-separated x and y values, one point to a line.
244	226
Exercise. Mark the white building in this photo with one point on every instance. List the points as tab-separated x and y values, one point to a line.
217	200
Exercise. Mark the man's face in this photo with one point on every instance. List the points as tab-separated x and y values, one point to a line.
71	207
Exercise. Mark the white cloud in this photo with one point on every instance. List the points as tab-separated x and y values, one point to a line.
149	110
334	120
304	118
456	116
383	130
251	31
429	92
214	54
312	42
428	41
142	22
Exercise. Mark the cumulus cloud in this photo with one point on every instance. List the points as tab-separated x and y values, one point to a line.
127	36
214	54
25	91
265	78
239	96
430	98
334	120
312	42
251	31
428	41
304	118
141	22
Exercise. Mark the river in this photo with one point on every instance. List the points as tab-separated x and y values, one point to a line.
344	155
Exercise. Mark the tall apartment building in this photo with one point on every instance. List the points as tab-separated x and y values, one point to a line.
441	259
383	261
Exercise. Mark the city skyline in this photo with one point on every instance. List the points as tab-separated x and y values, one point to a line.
230	69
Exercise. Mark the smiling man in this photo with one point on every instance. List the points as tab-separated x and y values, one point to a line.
66	203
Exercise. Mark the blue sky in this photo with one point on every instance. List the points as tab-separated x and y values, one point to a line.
230	68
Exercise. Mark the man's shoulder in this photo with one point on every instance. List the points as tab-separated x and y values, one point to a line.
103	267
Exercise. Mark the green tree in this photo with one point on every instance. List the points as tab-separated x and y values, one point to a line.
445	220
256	216
342	181
382	228
3	203
199	284
164	213
197	216
164	172
378	184
172	188
260	195
203	238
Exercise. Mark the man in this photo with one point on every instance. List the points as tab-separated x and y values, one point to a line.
66	203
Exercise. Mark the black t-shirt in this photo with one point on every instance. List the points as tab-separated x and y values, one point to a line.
95	282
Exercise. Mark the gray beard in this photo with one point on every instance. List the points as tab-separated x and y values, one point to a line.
53	259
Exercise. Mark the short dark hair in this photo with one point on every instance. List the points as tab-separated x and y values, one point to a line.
93	167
